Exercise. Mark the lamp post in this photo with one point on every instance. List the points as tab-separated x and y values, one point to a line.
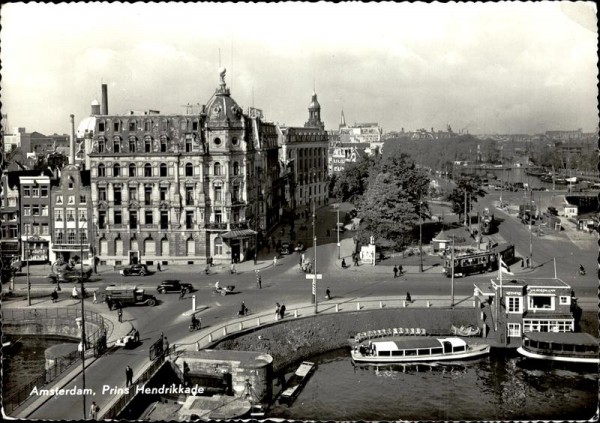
83	340
28	256
315	248
452	281
257	215
420	237
337	229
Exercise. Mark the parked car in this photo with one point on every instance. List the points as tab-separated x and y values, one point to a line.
70	274
174	286
135	270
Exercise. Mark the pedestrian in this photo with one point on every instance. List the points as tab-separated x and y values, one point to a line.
327	294
328	233
408	298
400	269
527	262
282	310
54	295
522	262
94	411
109	303
343	263
182	293
95	301
274	261
158	267
74	293
395	271
128	376
136	335
259	282
243	310
120	314
277	311
165	344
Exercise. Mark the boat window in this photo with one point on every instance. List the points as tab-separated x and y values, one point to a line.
544	345
410	352
459	348
383	353
397	353
579	348
438	350
568	347
423	351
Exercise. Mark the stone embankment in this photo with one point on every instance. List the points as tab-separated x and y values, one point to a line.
291	341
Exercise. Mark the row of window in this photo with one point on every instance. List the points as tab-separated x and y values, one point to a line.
70	236
150	246
163	221
515	304
59	215
236	194
35	210
147	170
131	125
71	199
35	192
36	229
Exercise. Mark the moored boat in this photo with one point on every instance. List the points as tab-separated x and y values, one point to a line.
411	349
295	384
572	347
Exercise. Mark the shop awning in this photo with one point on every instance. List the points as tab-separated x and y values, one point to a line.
239	233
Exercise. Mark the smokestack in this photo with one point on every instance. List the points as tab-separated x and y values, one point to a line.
72	146
104	99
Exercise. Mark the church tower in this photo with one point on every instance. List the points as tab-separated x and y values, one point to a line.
314	114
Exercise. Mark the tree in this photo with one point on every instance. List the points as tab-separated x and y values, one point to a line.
352	183
390	206
472	187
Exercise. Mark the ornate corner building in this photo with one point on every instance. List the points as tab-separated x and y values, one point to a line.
181	189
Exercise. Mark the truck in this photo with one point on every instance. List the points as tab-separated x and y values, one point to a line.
129	295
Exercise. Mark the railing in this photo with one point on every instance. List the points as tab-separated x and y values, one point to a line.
241	324
66	315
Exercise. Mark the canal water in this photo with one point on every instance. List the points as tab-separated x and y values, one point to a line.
25	361
497	387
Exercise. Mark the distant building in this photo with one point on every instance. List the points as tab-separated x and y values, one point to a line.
34	194
340	154
35	142
303	152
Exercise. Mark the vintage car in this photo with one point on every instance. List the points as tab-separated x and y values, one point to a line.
174	286
135	270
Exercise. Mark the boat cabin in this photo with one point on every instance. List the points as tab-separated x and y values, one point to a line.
418	347
561	346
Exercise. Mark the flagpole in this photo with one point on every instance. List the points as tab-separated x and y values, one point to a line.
499	292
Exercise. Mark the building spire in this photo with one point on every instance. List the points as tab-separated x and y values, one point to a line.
343	120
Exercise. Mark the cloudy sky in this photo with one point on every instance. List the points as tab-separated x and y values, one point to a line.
491	68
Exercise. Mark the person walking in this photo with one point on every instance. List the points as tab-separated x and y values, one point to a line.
109	303
282	311
54	295
327	294
95	301
182	293
128	376
400	270
243	310
274	261
158	267
343	263
277	311
259	281
395	271
408	298
94	411
120	314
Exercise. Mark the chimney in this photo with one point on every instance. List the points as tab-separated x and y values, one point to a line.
104	99
72	146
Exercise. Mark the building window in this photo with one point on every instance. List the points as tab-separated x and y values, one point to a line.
195	125
58	215
101	171
101	127
71	200
117	144
132	144
218	216
82	215
164	192
26	192
514	304
35	192
565	300
147	170
514	330
71	237
189	219
148	195
189	169
189	196
163	170
148	216
218	246
116	126
234	141
132	170
541	302
217	169
236	168
133	194
117	169
132	125
70	215
82	199
164	125
102	219
101	194
26	211
235	193
35	210
44	210
217	141
184	124
117	195
44	192
118	217
148	125
101	144
163	144
188	144
147	144
133	219
218	194
59	236
83	237
164	219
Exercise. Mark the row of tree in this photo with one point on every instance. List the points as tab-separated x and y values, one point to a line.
390	194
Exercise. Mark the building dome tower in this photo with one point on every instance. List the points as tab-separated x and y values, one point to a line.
314	114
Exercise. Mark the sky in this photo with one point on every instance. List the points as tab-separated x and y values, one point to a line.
485	68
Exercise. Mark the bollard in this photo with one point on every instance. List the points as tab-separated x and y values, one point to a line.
403	303
428	304
197	345
474	305
337	308
241	325
193	303
210	337
358	306
225	331
380	304
295	313
258	321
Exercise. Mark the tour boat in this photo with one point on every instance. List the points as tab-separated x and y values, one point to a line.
295	384
414	349
560	346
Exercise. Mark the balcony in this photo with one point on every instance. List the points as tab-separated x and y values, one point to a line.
221	226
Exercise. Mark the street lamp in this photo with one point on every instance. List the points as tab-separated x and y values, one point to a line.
28	257
421	236
257	215
452	281
337	229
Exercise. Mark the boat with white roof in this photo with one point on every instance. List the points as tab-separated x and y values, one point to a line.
418	349
573	347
